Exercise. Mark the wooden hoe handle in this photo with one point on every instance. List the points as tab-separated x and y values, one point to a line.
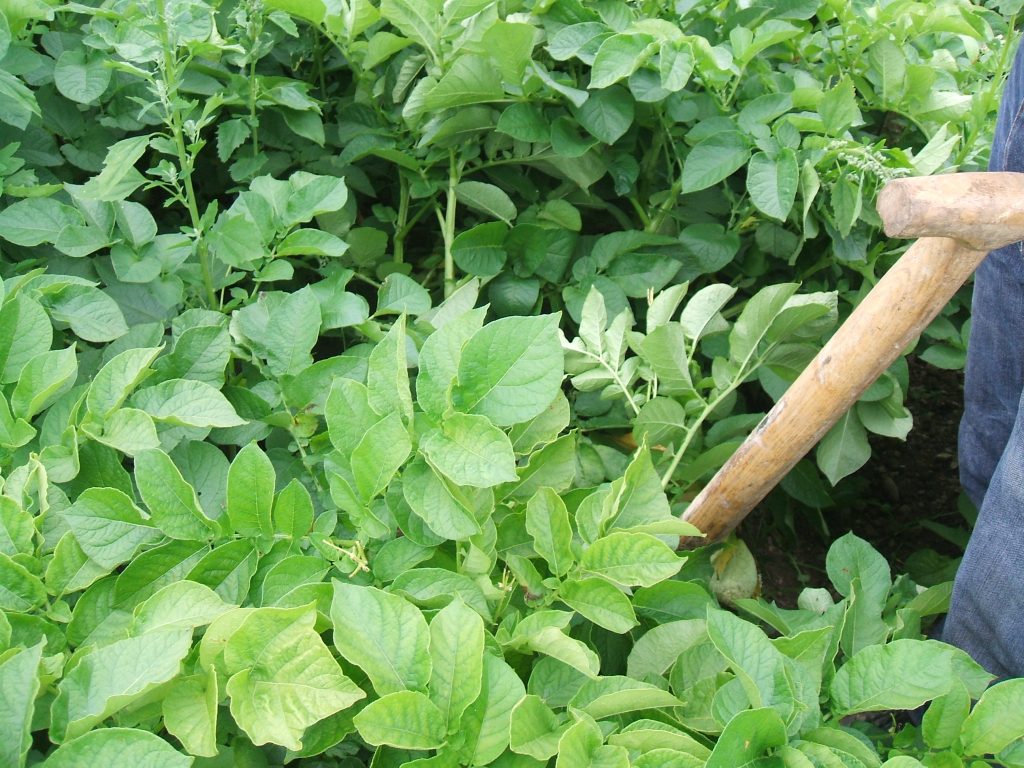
959	218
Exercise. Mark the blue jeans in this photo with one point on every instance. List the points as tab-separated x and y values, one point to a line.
986	617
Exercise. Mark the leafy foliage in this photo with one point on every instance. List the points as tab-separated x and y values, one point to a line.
357	359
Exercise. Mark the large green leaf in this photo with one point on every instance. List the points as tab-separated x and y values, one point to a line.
471	79
283	677
903	674
251	492
631	559
118	746
25	330
382	634
187	403
403	719
996	721
19	679
714	159
457	660
113	676
108	526
469	450
172	502
772	182
746	737
511	369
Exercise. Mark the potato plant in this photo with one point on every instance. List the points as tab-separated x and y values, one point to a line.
357	360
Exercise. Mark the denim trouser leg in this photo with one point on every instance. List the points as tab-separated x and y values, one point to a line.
986	617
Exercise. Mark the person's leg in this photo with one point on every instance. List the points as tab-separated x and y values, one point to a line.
994	377
986	617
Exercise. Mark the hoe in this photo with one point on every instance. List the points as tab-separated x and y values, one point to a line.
959	218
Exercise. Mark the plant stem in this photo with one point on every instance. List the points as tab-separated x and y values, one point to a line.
448	225
185	162
401	224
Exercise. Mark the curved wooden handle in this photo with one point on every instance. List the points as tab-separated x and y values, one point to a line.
885	323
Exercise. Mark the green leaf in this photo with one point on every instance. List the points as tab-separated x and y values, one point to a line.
607	114
772	182
403	719
17	530
348	413
486	198
91	313
631	559
19	590
758	665
19	678
227	570
755	322
523	121
470	450
838	107
746	737
416	19
200	353
846	204
35	221
471	79
487	722
179	605
387	378
113	676
190	712
997	720
379	455
457	660
600	602
382	634
80	79
535	729
620	56
172	502
430	498
943	721
903	674
312	195
844	449
480	250
312	242
293	511
118	746
18	101
108	526
128	430
547	521
291	332
283	677
119	179
439	358
615	694
510	45
118	378
888	72
714	159
24	330
660	647
251	481
510	370
187	403
44	378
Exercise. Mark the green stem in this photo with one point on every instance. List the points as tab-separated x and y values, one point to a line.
185	162
448	225
401	224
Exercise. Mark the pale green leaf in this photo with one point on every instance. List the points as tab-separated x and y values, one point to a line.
19	680
384	635
403	719
187	403
457	659
470	450
283	677
250	499
172	502
631	559
511	370
108	526
118	746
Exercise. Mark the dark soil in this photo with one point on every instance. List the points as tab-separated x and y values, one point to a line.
904	485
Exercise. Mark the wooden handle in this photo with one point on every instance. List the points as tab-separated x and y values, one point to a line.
885	323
